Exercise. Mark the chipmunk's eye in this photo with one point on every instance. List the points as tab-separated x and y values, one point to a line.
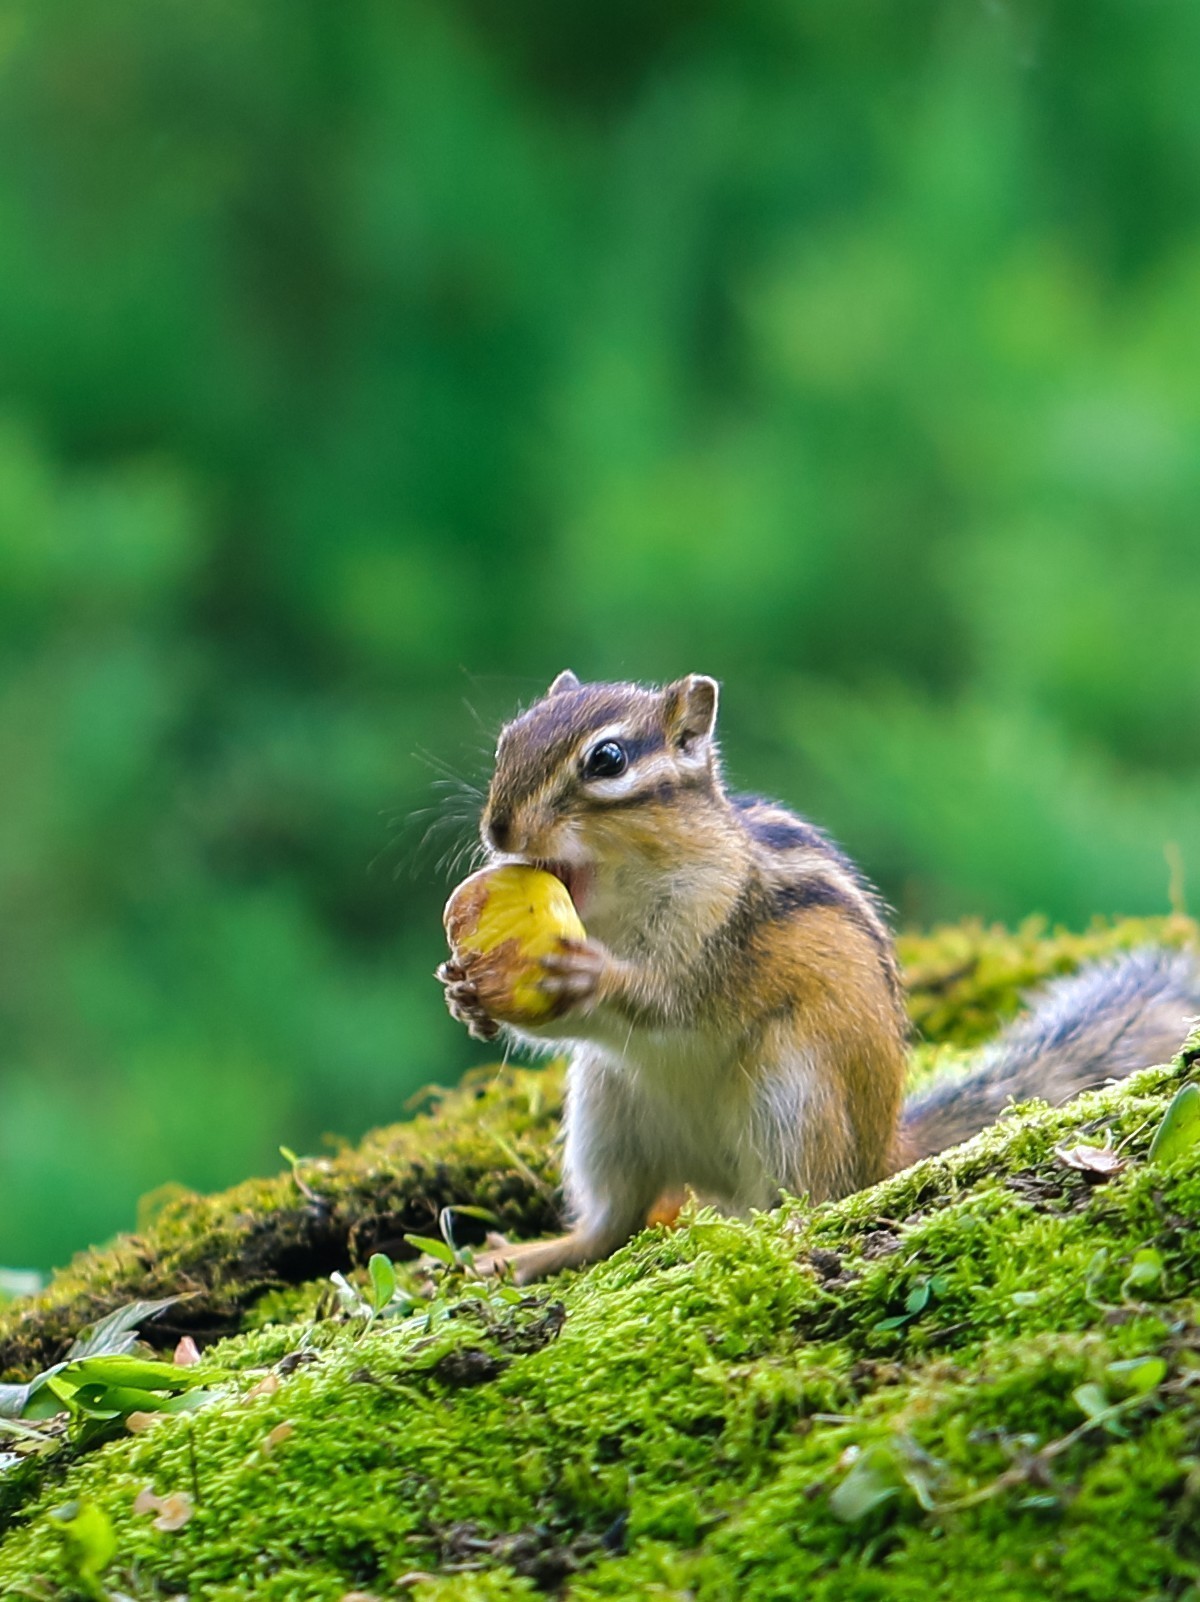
605	761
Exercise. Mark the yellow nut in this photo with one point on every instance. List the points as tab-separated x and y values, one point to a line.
500	923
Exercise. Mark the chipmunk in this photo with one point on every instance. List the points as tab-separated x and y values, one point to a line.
735	1020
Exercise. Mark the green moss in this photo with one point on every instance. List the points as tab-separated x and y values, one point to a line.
490	1144
685	1419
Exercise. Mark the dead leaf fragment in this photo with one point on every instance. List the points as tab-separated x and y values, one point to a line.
135	1422
267	1386
176	1510
278	1434
173	1511
1100	1161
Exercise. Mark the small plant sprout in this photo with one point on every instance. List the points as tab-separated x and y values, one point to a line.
925	1288
1145	1274
383	1281
1137	1376
296	1163
90	1543
383	1298
446	1250
1180	1127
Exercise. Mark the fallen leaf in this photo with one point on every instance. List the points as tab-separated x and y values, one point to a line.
174	1511
1101	1161
267	1386
187	1352
291	1361
278	1434
136	1422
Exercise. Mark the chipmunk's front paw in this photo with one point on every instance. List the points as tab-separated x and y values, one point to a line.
462	1000
575	977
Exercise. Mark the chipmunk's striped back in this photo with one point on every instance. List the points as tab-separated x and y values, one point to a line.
802	867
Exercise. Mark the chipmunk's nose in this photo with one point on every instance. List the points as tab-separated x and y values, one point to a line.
499	830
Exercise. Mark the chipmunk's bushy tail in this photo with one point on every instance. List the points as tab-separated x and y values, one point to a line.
1101	1023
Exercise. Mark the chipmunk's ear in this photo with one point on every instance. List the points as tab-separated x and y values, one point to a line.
691	709
566	680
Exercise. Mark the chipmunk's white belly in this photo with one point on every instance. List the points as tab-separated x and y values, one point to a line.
685	1097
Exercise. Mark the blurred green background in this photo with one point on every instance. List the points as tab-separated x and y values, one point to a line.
363	365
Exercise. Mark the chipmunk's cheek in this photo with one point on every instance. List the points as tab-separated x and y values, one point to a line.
501	924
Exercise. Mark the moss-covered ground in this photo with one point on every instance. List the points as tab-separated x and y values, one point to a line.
980	1378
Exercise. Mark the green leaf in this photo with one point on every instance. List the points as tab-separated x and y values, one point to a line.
383	1280
873	1480
1145	1271
43	1401
33	1399
146	1373
1091	1399
100	1356
918	1298
56	1385
1180	1127
461	1210
14	1399
1138	1375
117	1333
187	1401
432	1248
91	1544
116	1401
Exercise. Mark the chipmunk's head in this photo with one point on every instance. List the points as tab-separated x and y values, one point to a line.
592	773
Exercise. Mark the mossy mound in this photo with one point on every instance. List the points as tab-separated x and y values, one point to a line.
963	1380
